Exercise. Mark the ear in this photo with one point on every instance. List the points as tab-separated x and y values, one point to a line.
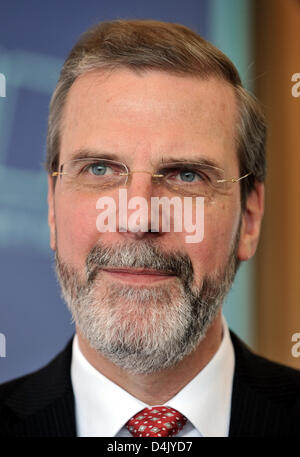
251	222
51	213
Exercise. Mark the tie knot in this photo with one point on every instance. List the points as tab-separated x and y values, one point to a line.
156	421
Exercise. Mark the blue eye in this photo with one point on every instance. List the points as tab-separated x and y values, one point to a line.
187	175
97	169
182	175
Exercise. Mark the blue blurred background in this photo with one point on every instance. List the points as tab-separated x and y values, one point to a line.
35	38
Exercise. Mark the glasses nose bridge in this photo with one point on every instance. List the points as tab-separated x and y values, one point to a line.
131	173
140	171
139	183
143	183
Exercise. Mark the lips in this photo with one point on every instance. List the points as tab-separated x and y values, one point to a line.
138	276
138	271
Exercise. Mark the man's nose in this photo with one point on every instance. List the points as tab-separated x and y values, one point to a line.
139	190
140	184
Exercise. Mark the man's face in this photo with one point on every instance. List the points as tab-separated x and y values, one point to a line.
142	119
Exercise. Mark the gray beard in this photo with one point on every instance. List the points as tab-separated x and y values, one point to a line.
143	329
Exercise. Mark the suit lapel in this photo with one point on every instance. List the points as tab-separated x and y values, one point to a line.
255	386
43	403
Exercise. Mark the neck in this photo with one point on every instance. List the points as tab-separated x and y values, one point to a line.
157	388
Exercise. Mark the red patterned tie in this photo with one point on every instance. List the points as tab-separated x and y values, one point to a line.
156	421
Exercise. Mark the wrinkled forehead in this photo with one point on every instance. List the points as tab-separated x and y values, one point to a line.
144	116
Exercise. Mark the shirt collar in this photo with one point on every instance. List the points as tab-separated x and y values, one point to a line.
206	399
102	407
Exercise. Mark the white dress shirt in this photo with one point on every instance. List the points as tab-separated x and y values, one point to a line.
102	408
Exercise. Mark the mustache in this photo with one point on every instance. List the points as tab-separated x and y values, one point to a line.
140	254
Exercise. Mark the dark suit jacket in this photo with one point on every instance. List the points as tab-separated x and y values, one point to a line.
265	399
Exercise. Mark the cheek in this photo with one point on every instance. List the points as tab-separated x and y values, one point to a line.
76	228
220	228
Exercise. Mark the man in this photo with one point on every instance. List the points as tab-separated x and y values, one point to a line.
152	110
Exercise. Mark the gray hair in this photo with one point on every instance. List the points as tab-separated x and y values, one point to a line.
142	45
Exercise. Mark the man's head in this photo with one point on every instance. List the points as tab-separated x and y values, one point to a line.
143	93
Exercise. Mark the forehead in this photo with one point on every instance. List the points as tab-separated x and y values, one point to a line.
149	115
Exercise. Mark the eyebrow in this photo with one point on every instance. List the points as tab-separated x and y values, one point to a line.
86	153
203	160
